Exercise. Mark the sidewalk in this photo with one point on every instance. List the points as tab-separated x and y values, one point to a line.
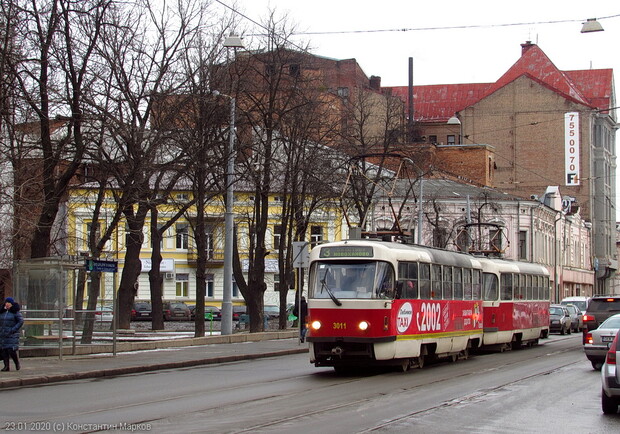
160	355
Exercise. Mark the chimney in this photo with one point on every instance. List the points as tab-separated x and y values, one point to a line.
375	82
526	46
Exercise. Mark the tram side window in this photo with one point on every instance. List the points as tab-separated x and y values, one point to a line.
425	281
519	287
467	289
490	287
506	286
408	279
546	289
436	282
476	284
528	286
458	283
447	283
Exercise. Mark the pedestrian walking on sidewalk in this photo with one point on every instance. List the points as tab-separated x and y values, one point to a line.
301	312
11	320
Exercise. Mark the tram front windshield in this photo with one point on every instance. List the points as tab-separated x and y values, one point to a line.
346	280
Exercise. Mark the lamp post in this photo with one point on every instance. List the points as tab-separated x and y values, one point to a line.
226	327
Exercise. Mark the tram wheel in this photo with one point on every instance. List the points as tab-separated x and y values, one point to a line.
405	365
453	358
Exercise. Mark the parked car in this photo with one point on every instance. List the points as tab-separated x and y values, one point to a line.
610	375
597	341
599	309
559	319
141	311
237	311
213	313
104	314
271	311
580	302
576	317
176	310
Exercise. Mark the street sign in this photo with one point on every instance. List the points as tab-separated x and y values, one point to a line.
301	255
103	266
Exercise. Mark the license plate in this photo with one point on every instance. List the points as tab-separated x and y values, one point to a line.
607	338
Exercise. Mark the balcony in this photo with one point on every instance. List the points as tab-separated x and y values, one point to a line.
214	256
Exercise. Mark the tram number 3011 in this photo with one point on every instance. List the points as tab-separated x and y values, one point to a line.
429	317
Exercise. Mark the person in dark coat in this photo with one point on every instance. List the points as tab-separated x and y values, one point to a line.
11	320
301	311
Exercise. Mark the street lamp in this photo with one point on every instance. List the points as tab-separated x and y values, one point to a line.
226	327
591	25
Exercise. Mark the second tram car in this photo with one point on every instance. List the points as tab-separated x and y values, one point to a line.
385	303
515	303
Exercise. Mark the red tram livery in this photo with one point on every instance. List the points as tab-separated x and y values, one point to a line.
385	303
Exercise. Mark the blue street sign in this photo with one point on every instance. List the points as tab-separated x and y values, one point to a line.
103	266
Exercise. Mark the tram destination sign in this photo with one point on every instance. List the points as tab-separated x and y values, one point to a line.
103	266
346	252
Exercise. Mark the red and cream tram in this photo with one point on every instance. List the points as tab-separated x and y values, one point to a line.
375	302
516	303
385	303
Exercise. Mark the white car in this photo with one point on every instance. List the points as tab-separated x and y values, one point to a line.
610	375
598	341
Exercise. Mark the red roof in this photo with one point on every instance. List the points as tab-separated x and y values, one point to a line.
437	103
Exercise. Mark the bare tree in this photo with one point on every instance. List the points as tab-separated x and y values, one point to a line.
143	58
51	68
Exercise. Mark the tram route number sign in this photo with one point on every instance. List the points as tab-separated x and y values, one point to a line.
346	252
103	266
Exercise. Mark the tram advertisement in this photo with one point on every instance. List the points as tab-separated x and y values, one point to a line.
436	316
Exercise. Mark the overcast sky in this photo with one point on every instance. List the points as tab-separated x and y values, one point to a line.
481	51
483	47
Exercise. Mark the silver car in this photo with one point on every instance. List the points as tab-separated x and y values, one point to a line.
610	395
598	341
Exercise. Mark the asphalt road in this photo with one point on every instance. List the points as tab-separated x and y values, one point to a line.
548	388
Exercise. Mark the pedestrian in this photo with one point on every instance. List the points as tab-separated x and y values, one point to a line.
301	311
11	320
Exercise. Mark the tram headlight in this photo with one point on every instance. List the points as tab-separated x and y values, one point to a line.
315	325
363	325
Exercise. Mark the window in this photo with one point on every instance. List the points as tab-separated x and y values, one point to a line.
210	287
451	139
495	240
343	92
209	244
467	288
462	240
523	245
316	235
235	288
425	281
506	286
276	236
476	284
458	283
490	287
432	139
182	235
408	279
436	282
447	283
182	285
89	228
